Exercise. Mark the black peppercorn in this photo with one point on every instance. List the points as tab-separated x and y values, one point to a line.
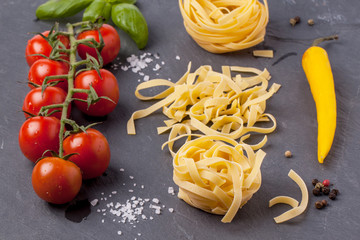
335	191
319	205
316	191
314	182
324	202
332	196
326	190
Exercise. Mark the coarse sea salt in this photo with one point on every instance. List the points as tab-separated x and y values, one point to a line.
142	63
130	211
171	191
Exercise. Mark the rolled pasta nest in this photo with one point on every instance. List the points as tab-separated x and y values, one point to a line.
214	174
221	26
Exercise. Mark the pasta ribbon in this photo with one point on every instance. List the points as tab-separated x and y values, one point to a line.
221	26
297	209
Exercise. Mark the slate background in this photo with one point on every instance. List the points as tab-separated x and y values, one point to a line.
24	216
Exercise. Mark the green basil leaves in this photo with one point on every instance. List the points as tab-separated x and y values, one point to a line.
61	8
124	14
97	9
129	18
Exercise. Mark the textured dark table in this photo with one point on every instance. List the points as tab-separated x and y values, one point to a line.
24	216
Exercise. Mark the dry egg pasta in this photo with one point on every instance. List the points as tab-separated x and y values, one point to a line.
221	26
214	174
211	102
297	209
217	172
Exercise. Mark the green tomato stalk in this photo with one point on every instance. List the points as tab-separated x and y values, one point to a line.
90	62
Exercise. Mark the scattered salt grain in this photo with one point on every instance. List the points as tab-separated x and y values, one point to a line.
157	67
94	202
177	58
121	169
130	190
119	232
171	210
155	200
146	78
114	192
131	177
171	191
142	186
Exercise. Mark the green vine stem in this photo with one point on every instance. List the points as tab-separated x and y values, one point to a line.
73	64
73	46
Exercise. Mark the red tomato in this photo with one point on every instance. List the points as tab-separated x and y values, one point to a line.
38	134
56	180
111	40
93	152
46	67
107	86
38	45
34	100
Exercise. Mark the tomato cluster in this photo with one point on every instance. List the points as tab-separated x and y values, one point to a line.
62	159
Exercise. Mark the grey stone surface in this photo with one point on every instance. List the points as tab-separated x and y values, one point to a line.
24	216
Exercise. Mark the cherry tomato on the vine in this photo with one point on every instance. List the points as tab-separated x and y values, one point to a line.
46	67
34	100
56	180
93	150
106	86
39	45
111	41
38	134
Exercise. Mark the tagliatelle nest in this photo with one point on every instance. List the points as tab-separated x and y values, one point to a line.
221	26
214	174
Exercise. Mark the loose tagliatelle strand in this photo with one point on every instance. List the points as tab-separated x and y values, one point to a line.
212	102
218	172
225	25
297	209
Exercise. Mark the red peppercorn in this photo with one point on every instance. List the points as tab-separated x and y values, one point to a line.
326	182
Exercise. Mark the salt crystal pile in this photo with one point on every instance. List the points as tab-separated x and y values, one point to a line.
130	211
139	64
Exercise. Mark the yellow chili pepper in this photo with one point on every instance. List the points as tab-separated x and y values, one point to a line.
317	68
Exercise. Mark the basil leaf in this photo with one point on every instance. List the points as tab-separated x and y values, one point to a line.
96	10
129	18
61	8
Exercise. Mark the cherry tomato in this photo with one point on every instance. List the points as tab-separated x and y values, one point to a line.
93	152
46	67
56	180
34	100
38	134
105	86
111	41
38	45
